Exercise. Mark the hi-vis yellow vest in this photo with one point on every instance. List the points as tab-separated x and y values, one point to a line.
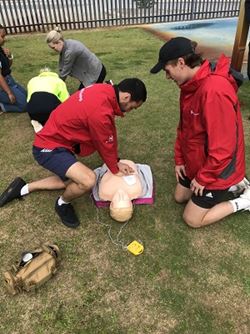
48	82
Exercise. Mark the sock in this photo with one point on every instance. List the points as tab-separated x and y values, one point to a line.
240	203
232	188
61	201
25	190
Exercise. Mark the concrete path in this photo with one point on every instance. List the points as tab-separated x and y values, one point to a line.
213	36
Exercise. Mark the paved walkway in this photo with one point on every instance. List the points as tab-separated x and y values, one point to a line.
213	36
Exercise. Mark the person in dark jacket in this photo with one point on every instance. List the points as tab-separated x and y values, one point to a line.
84	122
12	95
209	149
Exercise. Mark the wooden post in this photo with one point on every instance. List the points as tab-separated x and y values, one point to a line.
240	39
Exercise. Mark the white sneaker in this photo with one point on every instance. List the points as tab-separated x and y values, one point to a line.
239	187
36	125
246	182
246	193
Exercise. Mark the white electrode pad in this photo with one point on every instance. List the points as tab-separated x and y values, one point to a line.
130	179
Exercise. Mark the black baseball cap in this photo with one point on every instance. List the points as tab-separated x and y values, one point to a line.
173	49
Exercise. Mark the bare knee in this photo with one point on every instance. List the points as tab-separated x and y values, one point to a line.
182	194
191	222
83	176
179	199
88	182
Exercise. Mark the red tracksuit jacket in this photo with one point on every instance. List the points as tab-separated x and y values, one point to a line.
85	118
210	140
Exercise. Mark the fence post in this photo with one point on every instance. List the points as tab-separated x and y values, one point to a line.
240	39
192	10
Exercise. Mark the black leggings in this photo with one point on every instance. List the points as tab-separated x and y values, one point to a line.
100	78
40	106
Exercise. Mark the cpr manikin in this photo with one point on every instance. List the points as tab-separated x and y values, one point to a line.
120	190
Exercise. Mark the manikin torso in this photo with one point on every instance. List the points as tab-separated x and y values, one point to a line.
119	188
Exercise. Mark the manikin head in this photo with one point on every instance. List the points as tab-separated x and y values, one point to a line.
120	190
121	207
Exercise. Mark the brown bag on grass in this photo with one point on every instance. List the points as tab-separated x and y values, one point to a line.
35	268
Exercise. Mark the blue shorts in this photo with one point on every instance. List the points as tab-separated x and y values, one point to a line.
56	161
209	198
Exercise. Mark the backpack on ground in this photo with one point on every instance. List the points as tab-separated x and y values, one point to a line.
35	268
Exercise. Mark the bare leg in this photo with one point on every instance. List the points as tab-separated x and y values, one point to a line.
196	216
182	194
49	183
82	179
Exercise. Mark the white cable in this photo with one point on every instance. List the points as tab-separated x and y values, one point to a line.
117	241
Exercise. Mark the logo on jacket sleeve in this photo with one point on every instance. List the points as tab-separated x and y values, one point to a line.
81	94
110	139
194	113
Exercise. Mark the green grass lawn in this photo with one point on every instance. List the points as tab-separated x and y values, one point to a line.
186	281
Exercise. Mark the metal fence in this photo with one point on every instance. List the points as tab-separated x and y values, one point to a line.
20	16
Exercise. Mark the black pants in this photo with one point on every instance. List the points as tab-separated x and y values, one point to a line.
100	78
40	106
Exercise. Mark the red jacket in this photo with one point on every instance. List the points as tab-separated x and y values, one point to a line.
210	140
87	118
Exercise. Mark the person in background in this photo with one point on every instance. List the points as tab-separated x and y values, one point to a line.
76	60
86	120
209	149
45	92
12	95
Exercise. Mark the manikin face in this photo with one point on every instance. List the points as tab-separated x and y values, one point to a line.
126	104
2	36
121	207
177	72
56	46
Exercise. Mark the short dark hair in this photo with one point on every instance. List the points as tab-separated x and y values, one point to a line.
135	87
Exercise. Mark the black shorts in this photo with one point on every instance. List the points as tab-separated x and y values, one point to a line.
209	197
57	161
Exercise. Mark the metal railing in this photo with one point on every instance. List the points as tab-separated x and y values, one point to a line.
21	16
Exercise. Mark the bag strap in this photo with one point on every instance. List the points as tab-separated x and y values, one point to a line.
51	249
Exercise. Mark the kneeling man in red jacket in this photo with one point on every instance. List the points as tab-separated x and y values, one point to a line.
209	149
83	124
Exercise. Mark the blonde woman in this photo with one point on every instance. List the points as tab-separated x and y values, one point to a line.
76	60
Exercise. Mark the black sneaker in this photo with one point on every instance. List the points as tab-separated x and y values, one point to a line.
13	191
67	214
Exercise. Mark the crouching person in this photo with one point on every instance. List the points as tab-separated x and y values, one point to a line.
83	124
12	94
45	92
